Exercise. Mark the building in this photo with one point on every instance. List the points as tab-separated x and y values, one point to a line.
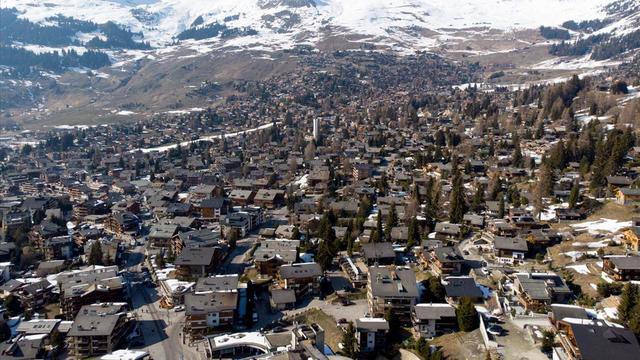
198	262
98	329
282	299
430	320
391	289
271	254
269	199
303	278
631	236
371	334
594	340
445	260
122	222
622	268
535	291
378	253
209	310
510	250
458	287
87	286
628	196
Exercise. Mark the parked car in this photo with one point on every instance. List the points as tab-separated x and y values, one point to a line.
341	321
495	330
179	308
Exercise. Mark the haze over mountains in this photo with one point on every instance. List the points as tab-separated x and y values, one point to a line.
402	25
139	57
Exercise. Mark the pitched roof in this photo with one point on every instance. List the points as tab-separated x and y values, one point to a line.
434	311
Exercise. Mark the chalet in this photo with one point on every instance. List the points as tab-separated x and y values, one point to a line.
458	287
242	197
537	290
282	299
622	268
430	320
271	254
195	239
378	253
303	278
197	262
269	199
569	214
510	250
594	340
448	231
445	261
211	209
628	196
122	222
473	221
160	235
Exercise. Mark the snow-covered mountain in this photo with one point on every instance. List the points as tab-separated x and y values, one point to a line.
276	24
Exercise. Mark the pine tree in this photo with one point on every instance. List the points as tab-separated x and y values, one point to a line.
467	315
95	254
501	207
574	195
457	201
598	176
413	232
379	230
477	203
392	221
324	256
628	300
349	343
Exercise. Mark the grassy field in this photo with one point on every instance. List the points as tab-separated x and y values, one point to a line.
332	333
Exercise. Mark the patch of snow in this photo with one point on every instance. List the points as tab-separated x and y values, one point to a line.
580	269
601	225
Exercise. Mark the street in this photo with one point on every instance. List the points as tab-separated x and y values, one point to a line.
161	329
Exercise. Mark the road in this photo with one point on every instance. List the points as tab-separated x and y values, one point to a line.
161	329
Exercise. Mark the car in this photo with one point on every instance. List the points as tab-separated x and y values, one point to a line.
179	308
341	321
278	329
495	330
346	302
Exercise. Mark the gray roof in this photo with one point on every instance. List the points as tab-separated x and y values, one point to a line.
97	319
283	296
448	254
371	324
196	256
300	270
378	250
462	286
39	326
561	311
509	243
626	262
603	342
541	286
398	282
218	283
204	303
434	311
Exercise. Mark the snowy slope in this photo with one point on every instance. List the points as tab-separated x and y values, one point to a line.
389	21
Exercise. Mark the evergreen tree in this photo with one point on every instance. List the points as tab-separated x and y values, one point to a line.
457	206
467	315
379	230
324	256
598	176
516	157
12	304
57	339
95	254
349	342
574	196
501	207
392	221
628	301
413	233
477	204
